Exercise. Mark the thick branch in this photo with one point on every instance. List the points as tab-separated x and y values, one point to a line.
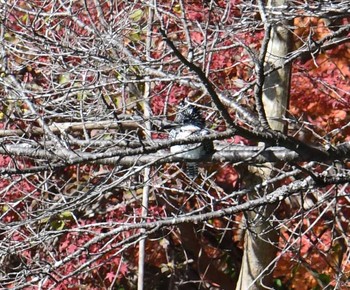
124	157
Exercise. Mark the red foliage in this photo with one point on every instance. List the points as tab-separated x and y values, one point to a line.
321	84
227	178
319	92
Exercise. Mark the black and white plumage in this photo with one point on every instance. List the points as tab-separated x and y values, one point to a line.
189	122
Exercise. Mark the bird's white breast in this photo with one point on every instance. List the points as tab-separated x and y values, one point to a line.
188	150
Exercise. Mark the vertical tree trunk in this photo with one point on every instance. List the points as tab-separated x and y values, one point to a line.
277	84
261	236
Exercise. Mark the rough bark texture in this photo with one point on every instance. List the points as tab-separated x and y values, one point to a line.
261	237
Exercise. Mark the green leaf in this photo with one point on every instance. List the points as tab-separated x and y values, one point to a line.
44	220
25	18
63	78
4	208
177	8
66	214
135	36
118	76
82	95
57	225
324	278
11	38
136	15
278	285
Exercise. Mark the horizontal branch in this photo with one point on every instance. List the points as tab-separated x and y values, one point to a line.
158	154
235	154
276	196
131	123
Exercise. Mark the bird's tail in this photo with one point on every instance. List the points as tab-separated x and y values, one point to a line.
192	170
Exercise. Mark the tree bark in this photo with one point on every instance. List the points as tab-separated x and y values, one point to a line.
261	237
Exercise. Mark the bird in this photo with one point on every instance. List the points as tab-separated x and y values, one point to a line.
188	123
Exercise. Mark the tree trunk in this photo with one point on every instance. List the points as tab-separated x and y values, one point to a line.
261	237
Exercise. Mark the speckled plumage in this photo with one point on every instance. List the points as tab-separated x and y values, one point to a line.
190	123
